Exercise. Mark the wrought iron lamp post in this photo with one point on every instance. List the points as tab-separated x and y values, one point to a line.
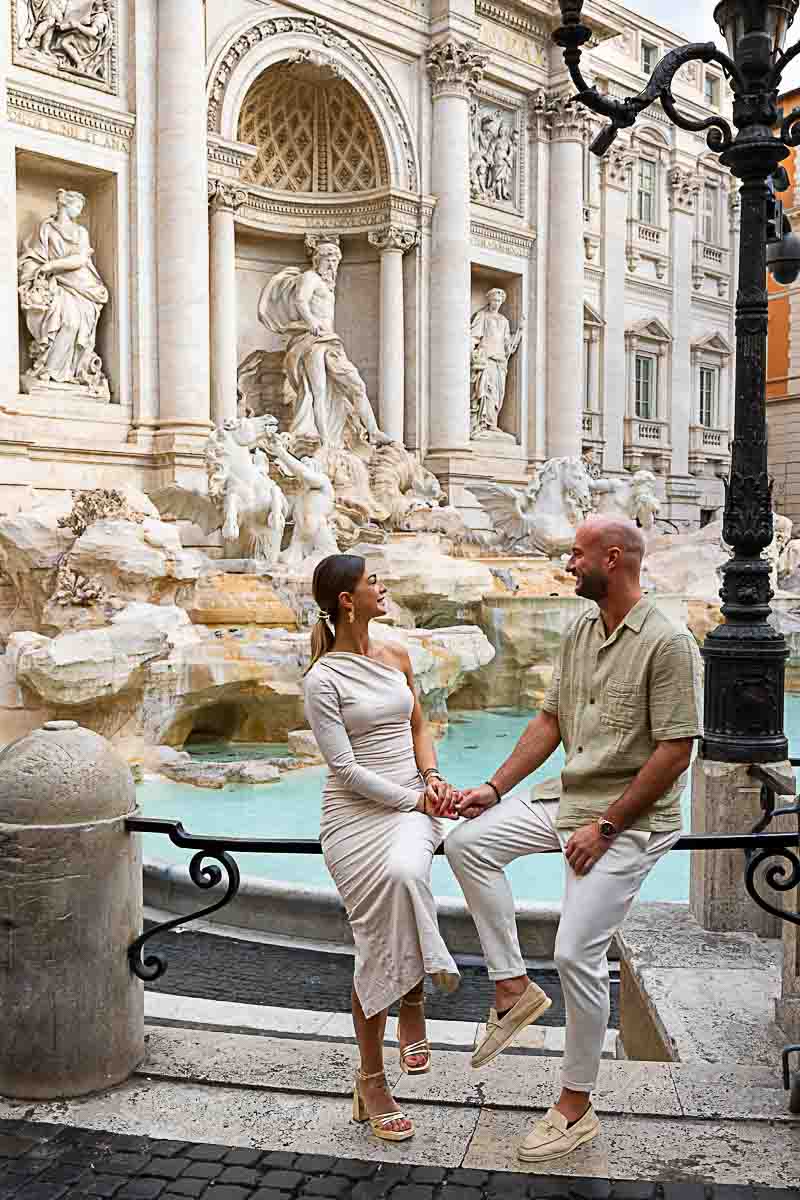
745	656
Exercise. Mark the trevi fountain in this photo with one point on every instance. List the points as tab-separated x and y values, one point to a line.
281	290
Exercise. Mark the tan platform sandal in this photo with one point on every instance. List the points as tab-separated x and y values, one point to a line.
414	1049
380	1124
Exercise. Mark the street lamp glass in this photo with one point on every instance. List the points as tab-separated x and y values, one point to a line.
571	11
738	18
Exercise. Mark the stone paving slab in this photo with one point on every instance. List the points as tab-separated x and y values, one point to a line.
51	1162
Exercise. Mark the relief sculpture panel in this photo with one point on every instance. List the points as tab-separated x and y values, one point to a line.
67	38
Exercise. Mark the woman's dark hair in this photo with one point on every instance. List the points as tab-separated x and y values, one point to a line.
335	574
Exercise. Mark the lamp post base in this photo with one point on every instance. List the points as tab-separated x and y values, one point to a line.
745	668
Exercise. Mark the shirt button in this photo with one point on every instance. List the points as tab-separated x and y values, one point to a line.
580	749
592	700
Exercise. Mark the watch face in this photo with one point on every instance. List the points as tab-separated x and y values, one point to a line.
607	829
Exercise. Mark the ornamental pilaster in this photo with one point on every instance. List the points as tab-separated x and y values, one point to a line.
615	167
225	197
684	187
456	68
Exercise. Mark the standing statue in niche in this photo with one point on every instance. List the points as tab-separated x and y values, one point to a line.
332	406
493	344
62	296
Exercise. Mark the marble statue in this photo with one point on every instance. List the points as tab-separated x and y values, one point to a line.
776	551
634	498
313	507
544	516
242	500
493	344
410	497
332	406
62	295
493	155
74	35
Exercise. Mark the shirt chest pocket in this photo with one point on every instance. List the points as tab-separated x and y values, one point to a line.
623	707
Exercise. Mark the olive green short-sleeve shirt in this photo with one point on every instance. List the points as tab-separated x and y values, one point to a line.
616	698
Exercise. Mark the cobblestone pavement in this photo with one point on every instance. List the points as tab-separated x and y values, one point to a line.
223	968
52	1162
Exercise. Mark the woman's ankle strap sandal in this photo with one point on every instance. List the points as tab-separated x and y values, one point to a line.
380	1123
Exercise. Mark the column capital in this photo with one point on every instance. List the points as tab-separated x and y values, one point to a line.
392	237
615	166
684	186
456	68
225	197
557	118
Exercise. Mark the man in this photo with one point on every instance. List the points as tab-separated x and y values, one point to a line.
625	702
332	403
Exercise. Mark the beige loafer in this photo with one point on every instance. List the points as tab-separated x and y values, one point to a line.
501	1033
551	1137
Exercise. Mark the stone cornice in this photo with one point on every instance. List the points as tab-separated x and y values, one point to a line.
279	212
513	18
393	238
229	158
84	122
456	68
519	244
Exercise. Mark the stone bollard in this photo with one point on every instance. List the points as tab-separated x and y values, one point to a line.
70	905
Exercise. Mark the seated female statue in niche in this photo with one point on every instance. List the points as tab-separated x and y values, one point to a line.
62	296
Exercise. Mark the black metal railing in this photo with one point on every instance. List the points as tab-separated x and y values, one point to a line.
760	848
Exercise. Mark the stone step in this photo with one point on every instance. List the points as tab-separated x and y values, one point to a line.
313	1067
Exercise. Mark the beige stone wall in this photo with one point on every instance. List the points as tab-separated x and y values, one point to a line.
784	454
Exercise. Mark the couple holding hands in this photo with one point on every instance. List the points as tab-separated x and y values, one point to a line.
624	701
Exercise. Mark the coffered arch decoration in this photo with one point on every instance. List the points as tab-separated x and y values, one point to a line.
300	44
312	131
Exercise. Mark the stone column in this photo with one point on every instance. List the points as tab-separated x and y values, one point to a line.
683	190
224	200
616	167
456	68
392	243
565	280
182	215
9	302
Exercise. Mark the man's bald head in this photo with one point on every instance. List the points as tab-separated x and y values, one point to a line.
610	531
606	556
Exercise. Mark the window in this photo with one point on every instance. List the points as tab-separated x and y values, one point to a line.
645	387
708	395
587	374
646	193
711	90
710	210
649	57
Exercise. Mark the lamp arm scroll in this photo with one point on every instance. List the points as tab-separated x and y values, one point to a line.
623	113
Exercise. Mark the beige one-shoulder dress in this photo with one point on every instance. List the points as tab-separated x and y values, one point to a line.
376	847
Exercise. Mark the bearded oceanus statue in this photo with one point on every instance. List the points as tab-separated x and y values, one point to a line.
331	402
242	500
542	518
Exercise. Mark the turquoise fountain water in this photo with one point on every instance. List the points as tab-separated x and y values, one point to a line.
473	746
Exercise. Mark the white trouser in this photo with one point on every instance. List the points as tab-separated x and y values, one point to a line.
594	907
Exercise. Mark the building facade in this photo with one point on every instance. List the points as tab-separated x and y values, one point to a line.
783	361
216	142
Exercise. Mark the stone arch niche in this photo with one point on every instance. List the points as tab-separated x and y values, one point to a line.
309	41
312	131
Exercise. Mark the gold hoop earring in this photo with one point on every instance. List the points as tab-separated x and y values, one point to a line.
351	616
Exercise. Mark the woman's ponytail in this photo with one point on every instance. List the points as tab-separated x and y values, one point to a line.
322	639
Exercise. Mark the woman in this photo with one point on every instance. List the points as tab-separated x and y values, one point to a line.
378	829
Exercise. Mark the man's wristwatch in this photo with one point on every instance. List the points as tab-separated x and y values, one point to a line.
608	829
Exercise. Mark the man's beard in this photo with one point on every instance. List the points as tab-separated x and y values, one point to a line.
592	585
327	275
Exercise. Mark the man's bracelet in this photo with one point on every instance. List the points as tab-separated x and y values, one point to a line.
495	789
431	772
